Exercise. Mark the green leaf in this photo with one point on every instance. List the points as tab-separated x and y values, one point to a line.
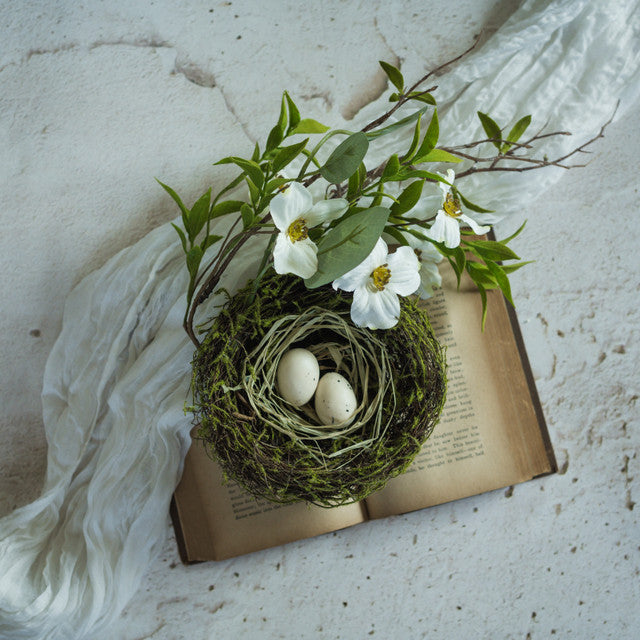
276	135
311	157
247	216
294	114
470	205
481	275
251	168
501	278
456	257
461	260
287	154
256	153
408	198
355	180
430	138
516	132
193	260
438	155
405	174
194	257
174	195
348	244
421	96
345	158
276	183
414	142
396	234
393	74
183	238
491	129
199	215
510	268
209	241
483	296
309	125
391	168
178	201
492	250
225	207
232	185
376	133
514	235
254	192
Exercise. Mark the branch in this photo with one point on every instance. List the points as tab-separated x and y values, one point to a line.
532	163
403	98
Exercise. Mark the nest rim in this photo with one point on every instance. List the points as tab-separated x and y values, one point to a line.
328	472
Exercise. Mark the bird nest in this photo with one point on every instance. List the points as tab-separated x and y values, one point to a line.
281	452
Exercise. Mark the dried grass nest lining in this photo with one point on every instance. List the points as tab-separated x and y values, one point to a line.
297	462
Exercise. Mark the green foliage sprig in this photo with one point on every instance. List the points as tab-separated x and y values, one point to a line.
379	200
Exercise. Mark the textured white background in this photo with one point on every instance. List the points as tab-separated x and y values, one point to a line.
98	98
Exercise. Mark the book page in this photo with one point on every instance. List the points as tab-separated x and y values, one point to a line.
218	521
489	435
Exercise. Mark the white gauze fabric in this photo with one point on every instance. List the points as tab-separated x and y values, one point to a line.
118	376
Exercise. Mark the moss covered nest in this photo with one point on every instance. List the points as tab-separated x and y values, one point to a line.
280	452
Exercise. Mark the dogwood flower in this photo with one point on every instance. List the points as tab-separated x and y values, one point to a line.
428	257
376	284
447	223
294	213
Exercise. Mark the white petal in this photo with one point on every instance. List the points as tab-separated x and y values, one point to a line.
405	271
446	188
359	276
451	232
436	232
477	228
289	205
429	278
428	253
355	278
298	258
378	254
326	211
375	310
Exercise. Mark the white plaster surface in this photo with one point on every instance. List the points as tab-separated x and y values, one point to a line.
99	98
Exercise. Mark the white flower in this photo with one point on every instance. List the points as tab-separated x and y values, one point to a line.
376	284
447	223
294	213
428	257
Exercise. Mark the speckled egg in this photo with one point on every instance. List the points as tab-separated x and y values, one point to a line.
297	376
335	400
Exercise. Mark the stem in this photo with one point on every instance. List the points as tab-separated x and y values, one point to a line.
405	97
315	150
210	283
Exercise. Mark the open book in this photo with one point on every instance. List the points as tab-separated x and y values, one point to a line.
491	434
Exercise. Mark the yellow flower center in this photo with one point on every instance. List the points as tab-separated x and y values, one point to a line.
298	230
451	206
380	277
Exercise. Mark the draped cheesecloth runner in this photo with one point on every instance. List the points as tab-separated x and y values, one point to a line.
118	376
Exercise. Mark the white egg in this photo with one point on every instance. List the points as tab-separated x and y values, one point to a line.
297	376
335	400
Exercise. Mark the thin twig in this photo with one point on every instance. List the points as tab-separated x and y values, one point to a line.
405	96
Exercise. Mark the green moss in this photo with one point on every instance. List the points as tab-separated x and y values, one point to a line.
283	468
